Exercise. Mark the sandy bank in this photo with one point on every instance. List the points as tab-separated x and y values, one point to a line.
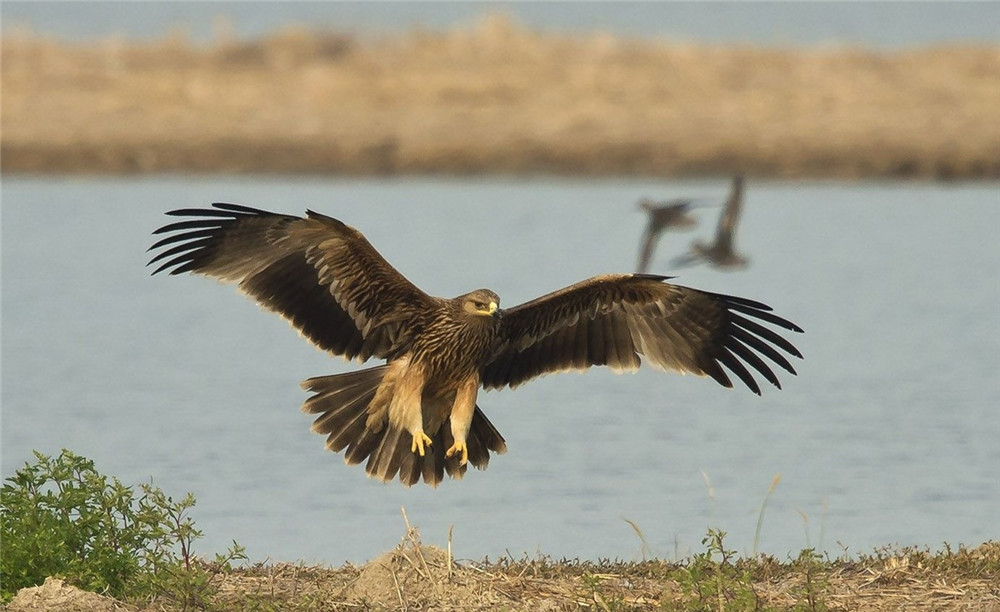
497	98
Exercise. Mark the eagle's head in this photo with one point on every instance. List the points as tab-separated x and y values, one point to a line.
481	302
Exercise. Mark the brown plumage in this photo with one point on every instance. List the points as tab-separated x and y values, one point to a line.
416	415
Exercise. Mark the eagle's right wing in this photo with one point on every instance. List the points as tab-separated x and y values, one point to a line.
317	272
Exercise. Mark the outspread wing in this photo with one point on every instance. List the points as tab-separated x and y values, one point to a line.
320	274
613	320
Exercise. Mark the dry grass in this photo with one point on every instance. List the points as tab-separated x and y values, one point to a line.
418	577
497	98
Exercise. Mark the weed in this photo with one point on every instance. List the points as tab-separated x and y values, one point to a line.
711	581
815	581
595	594
645	550
763	507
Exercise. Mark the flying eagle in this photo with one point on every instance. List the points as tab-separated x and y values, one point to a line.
416	414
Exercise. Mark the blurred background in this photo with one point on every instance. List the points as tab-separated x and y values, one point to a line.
507	145
652	89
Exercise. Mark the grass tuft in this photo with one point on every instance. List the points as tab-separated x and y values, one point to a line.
763	507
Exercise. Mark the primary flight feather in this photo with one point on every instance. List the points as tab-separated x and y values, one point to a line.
416	416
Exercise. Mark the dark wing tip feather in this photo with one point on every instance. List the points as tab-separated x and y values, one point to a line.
749	346
757	309
312	214
184	225
186	256
766	334
180	265
194	237
713	369
179	237
728	359
219	209
735	301
766	315
754	360
181	248
239	208
744	337
198	212
652	277
191	238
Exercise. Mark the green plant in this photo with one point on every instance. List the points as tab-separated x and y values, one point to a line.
594	592
182	577
60	517
814	581
711	581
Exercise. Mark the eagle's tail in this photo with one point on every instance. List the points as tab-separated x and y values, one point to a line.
341	402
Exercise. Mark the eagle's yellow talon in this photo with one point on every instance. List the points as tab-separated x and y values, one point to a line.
459	447
419	440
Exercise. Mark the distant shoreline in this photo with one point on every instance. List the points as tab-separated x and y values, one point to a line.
497	99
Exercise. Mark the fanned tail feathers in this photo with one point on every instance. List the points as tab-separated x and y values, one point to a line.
341	402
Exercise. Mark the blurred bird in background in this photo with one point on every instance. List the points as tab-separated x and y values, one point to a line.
721	253
673	214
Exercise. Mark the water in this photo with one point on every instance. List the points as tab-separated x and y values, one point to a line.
877	24
888	435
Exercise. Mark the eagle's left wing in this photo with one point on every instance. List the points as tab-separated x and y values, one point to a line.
612	320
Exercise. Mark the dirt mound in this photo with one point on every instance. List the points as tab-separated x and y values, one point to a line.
57	595
413	575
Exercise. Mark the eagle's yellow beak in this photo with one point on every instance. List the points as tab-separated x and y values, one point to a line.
492	308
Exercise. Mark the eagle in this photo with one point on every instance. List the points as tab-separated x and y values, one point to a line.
416	414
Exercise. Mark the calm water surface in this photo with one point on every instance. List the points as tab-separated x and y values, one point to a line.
888	435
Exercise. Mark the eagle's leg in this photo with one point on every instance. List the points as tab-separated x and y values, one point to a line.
405	409
459	447
461	418
419	440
